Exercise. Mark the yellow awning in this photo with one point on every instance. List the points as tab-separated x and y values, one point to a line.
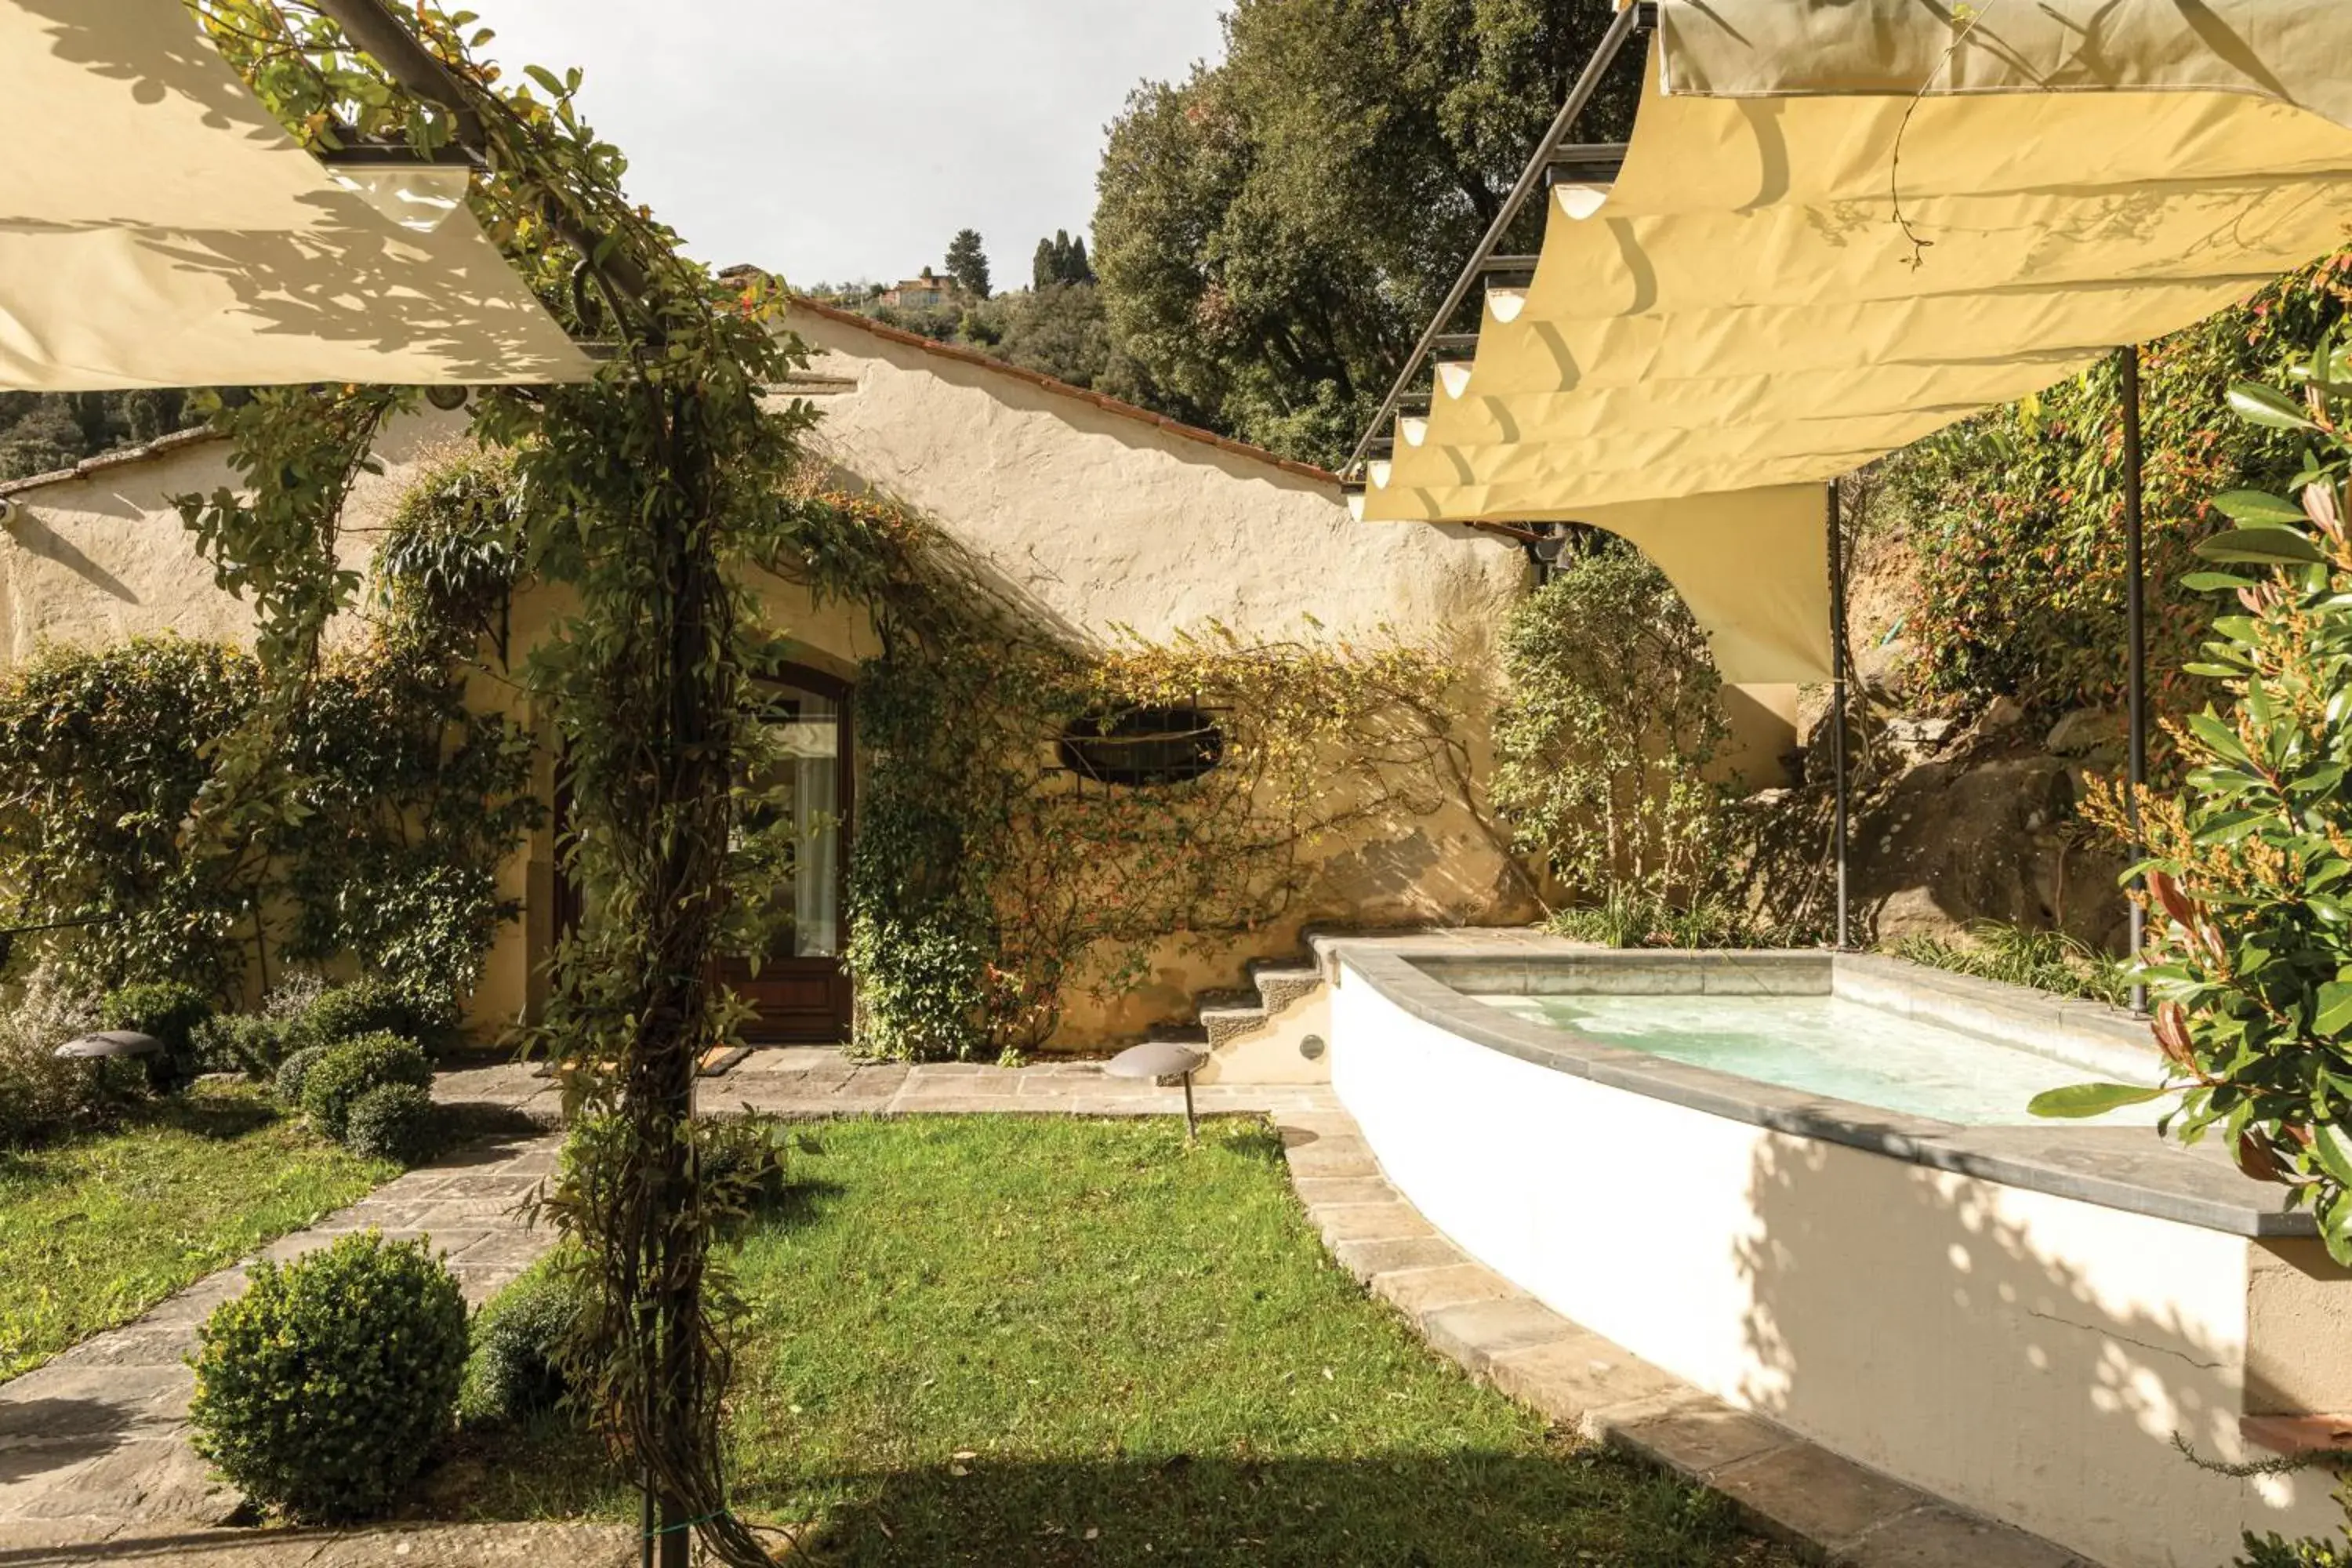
1835	233
158	228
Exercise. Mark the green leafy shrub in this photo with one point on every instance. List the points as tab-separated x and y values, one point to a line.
2013	516
1603	744
323	1390
344	1071
379	1006
743	1162
171	1010
393	1122
523	1343
294	1074
2039	960
248	1043
2275	1552
39	1095
2250	868
1629	917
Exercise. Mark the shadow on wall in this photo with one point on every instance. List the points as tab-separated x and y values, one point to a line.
2025	1355
37	538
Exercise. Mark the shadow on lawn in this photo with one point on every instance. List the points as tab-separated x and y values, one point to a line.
1461	1510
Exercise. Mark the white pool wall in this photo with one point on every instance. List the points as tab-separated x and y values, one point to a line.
2027	1355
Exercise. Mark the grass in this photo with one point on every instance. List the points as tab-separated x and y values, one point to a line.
986	1340
2039	960
98	1228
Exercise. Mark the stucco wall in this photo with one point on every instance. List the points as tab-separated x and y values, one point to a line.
1107	521
2029	1355
1099	519
101	556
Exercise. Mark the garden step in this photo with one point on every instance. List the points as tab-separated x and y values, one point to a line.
1224	1023
1278	988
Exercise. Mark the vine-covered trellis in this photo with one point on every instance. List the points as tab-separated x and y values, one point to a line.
642	492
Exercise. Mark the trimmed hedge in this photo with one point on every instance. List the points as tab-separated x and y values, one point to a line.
323	1390
345	1071
393	1122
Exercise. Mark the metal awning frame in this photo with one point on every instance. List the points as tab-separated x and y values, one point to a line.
1555	151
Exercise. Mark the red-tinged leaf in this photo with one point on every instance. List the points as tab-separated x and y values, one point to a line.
2257	1159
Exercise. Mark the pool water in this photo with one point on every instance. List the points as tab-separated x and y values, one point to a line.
1827	1045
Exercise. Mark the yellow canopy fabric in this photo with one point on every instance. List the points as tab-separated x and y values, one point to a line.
1784	284
158	228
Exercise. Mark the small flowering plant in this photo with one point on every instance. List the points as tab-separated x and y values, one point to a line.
2249	867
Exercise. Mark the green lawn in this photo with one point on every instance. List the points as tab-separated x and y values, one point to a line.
95	1230
993	1340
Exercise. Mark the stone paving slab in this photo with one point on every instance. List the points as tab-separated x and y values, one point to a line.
1831	1508
100	1432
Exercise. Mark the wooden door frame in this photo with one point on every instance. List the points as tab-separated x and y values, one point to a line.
799	1028
568	897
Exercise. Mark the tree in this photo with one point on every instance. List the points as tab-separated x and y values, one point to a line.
42	432
968	263
1273	233
1061	259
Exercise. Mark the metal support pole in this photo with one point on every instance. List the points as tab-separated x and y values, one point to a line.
1191	1123
2136	637
1837	715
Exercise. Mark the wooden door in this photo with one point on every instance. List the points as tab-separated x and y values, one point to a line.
796	824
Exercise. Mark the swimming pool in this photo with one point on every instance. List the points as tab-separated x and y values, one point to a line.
1806	1184
1830	1046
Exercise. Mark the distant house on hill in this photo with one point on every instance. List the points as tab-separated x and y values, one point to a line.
924	293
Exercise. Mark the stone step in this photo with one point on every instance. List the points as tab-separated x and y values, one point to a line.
1278	988
1224	1023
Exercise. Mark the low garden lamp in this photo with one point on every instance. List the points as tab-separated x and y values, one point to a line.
119	1045
1160	1060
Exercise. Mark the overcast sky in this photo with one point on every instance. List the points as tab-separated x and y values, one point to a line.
851	139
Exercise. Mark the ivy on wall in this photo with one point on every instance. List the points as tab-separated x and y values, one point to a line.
399	807
992	881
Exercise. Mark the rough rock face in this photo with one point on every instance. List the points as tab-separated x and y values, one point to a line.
1990	834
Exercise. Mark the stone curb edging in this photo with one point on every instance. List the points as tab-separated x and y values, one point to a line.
1830	1509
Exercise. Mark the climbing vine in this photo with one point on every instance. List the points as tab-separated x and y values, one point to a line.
643	493
401	803
993	878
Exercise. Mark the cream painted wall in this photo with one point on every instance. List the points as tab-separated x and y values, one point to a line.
1104	520
101	556
1100	519
2026	1355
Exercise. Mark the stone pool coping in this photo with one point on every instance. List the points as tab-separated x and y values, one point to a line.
2124	1168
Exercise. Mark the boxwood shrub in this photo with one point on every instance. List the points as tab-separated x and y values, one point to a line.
373	1006
517	1367
345	1071
294	1073
323	1390
393	1122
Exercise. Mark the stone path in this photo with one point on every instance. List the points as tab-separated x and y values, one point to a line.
1786	1487
95	1466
